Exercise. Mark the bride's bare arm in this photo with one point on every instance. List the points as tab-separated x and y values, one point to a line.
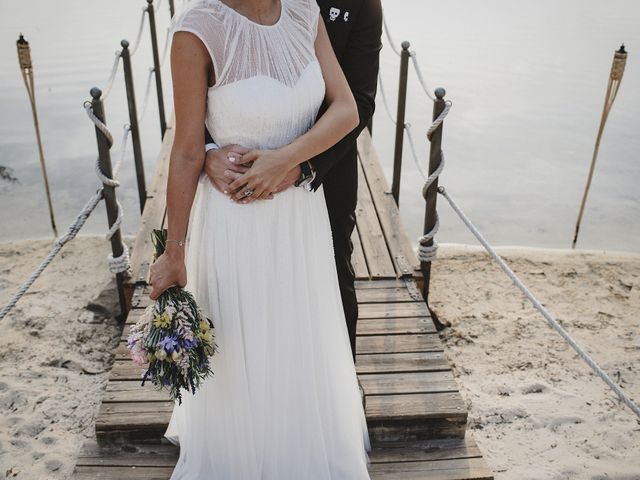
190	67
271	166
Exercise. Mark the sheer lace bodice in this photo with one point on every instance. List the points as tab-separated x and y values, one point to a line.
270	73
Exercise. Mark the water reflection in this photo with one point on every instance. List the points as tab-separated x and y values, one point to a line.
527	80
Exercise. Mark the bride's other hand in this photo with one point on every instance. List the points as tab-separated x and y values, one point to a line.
289	181
168	270
268	171
217	163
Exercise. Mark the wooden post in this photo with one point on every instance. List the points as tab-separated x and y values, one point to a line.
402	104
156	66
109	193
133	122
430	195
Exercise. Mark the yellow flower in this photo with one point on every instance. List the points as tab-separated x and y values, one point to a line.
161	354
204	325
176	355
162	321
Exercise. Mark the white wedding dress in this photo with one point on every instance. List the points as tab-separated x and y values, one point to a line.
283	403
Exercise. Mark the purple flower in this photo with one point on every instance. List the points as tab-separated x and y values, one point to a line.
169	343
189	343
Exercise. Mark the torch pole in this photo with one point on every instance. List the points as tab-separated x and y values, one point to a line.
615	77
26	68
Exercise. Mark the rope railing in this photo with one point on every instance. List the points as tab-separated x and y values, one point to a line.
427	253
112	76
138	39
165	50
624	398
72	231
147	91
116	264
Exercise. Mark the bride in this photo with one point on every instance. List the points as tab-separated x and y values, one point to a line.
283	403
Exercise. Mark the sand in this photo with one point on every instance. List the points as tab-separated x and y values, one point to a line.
55	354
536	410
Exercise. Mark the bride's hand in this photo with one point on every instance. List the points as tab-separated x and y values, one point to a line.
268	171
168	270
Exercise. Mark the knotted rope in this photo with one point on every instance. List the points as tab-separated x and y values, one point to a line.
118	264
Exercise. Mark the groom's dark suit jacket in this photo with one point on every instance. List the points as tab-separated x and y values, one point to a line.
355	30
355	36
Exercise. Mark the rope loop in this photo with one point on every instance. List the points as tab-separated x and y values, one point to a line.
120	264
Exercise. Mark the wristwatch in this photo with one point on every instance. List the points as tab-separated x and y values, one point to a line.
307	176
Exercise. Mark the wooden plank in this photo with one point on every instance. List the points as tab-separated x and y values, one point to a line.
357	257
127	415
392	326
374	326
373	242
391	417
384	295
415	406
455	469
398	383
415	416
131	455
429	342
402	254
120	473
374	384
379	283
128	391
392	310
142	252
396	362
426	450
165	454
365	364
125	370
366	311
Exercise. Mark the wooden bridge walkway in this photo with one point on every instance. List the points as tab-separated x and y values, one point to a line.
416	416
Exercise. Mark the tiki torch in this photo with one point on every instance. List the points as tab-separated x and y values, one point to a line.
24	57
617	69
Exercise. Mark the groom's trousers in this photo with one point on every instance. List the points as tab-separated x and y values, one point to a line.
340	190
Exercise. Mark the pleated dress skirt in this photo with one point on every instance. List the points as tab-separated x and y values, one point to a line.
283	402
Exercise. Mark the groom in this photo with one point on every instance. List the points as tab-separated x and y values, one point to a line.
355	30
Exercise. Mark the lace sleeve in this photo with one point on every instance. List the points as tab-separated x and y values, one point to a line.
199	21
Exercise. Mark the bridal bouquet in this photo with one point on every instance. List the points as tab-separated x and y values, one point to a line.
173	339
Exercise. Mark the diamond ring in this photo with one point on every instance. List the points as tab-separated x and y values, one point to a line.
248	192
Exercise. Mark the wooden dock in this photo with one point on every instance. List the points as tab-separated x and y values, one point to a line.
416	416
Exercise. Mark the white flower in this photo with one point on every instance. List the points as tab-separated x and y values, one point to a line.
176	355
161	354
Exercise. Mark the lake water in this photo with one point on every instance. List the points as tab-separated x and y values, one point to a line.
527	81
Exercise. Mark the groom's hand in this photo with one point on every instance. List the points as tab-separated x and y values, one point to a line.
217	162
